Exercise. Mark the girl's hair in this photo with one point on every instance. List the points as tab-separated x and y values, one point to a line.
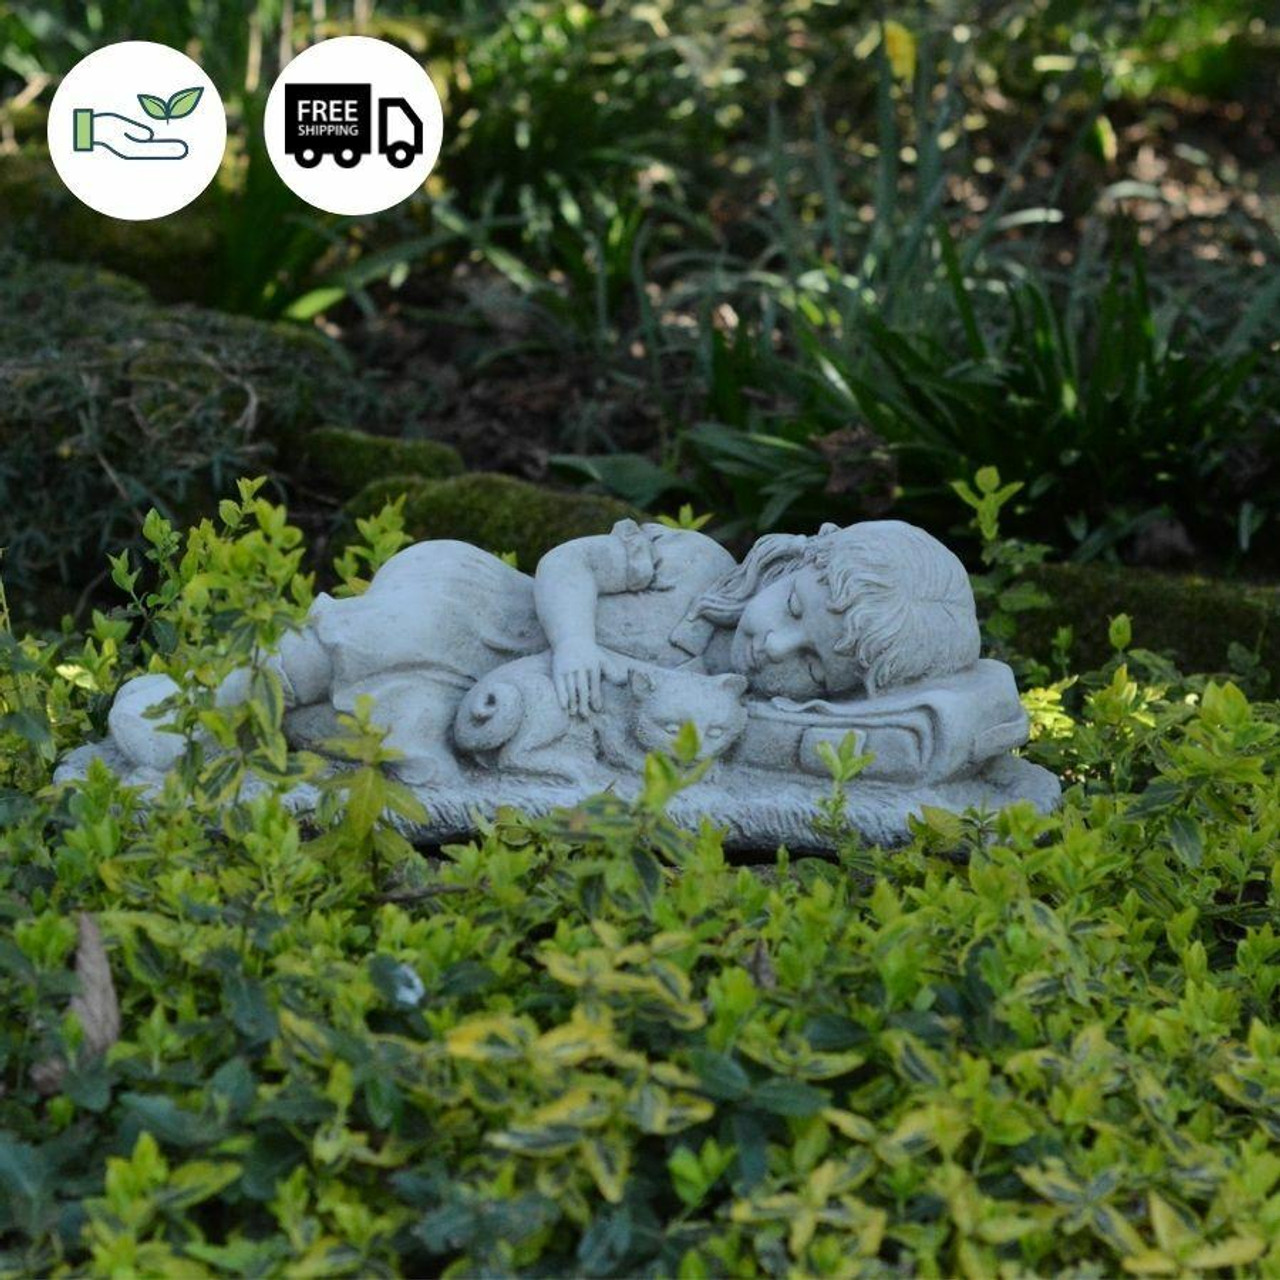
905	599
773	557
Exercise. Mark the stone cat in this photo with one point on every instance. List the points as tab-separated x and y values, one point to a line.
512	719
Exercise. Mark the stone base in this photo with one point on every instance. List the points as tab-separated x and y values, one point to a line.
757	809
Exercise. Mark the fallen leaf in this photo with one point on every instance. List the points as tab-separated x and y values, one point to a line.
95	1004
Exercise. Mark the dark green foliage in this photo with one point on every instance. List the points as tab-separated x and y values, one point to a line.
176	257
1111	408
110	405
851	347
1204	48
533	110
496	512
269	241
588	1044
745	222
1050	617
246	245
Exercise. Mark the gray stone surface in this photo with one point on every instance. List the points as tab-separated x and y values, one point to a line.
499	688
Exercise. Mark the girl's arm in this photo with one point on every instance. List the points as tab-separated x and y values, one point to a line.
569	581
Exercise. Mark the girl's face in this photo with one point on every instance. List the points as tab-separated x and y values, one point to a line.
785	641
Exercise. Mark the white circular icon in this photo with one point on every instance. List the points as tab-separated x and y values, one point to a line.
136	130
353	125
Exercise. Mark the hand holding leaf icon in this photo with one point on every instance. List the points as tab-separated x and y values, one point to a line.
128	139
180	104
129	102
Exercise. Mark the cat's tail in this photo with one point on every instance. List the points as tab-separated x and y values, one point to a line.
489	717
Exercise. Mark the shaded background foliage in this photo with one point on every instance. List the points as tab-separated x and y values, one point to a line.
783	263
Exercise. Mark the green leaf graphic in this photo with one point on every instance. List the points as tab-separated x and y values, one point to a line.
155	107
183	103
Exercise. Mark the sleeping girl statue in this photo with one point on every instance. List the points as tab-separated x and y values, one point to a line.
499	688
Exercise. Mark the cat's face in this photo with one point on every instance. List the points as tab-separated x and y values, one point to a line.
714	704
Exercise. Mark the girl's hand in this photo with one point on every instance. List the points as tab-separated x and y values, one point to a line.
577	667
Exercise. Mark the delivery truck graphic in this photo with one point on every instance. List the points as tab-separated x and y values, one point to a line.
337	120
393	115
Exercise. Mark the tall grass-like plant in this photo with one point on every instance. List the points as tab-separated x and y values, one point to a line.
1116	403
802	281
1113	408
558	97
271	241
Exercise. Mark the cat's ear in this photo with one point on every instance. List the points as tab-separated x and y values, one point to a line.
641	682
735	683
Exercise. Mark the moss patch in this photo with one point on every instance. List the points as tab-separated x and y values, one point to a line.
496	512
1197	619
343	461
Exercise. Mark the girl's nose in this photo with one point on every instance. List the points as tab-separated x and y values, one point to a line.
782	642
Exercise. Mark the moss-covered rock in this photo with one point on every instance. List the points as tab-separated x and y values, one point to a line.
177	257
272	381
76	324
110	404
1196	619
343	461
496	512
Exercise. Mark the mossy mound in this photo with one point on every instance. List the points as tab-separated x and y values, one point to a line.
1196	619
343	461
110	405
496	512
177	257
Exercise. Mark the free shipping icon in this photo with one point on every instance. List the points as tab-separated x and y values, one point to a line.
337	120
353	125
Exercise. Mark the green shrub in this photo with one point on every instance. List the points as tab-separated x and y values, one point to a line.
1208	48
863	313
1114	408
1204	624
590	1044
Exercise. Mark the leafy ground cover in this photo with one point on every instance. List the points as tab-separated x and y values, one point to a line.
237	1041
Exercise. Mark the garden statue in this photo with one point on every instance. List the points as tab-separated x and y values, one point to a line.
499	688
